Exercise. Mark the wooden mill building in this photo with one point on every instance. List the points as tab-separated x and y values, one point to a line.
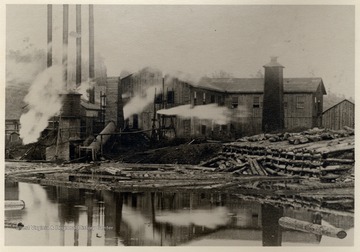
298	102
339	115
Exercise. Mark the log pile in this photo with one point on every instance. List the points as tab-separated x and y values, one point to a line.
323	159
311	135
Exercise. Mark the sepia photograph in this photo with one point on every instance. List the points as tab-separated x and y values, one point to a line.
159	124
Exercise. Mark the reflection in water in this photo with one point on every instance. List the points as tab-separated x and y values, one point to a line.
73	217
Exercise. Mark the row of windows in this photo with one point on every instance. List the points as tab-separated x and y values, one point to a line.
300	102
170	99
220	101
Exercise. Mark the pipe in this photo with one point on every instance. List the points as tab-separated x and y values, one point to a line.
78	44
103	137
49	35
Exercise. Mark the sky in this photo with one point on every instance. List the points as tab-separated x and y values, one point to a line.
198	40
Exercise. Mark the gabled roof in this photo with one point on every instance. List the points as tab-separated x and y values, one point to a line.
345	100
256	85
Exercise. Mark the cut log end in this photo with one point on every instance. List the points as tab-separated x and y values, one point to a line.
341	234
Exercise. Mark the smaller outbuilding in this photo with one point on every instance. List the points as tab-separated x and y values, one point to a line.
339	115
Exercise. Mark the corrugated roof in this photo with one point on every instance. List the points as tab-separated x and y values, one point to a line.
256	85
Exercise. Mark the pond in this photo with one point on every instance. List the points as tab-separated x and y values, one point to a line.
59	216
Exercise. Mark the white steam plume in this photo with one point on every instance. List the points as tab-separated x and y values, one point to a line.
209	218
44	102
218	114
139	102
84	89
22	66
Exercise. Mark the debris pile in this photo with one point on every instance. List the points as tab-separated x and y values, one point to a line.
329	158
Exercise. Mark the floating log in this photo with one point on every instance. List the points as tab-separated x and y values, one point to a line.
14	204
305	226
18	226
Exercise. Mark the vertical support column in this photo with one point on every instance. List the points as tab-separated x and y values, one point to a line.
65	40
78	44
49	35
91	53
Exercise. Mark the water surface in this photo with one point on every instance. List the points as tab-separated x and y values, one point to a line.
59	216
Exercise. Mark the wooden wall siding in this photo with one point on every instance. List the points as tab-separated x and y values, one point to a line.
342	114
291	111
111	99
292	123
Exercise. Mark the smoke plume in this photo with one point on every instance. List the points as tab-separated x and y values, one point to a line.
84	89
43	102
218	114
139	102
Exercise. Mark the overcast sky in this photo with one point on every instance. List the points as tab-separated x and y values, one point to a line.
310	41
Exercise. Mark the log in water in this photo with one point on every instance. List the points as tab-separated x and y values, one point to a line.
305	226
14	204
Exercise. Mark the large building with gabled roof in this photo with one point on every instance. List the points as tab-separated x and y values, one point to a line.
289	104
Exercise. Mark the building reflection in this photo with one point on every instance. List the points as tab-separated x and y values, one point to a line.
172	218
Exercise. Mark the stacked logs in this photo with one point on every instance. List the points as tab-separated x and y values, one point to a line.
308	136
283	158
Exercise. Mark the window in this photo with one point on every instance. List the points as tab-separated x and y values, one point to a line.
256	102
234	102
300	102
212	99
195	98
159	99
171	97
204	98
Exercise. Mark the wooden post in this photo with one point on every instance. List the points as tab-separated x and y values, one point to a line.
304	226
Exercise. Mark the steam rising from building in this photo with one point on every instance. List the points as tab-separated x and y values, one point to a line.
140	101
218	114
43	102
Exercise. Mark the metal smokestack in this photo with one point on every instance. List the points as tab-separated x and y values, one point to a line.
49	35
91	53
78	44
65	40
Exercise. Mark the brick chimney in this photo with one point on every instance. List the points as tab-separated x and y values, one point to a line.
273	107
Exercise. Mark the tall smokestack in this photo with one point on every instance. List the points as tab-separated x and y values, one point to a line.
273	107
65	39
91	52
78	44
49	37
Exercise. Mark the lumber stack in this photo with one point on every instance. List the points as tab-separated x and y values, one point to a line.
265	155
